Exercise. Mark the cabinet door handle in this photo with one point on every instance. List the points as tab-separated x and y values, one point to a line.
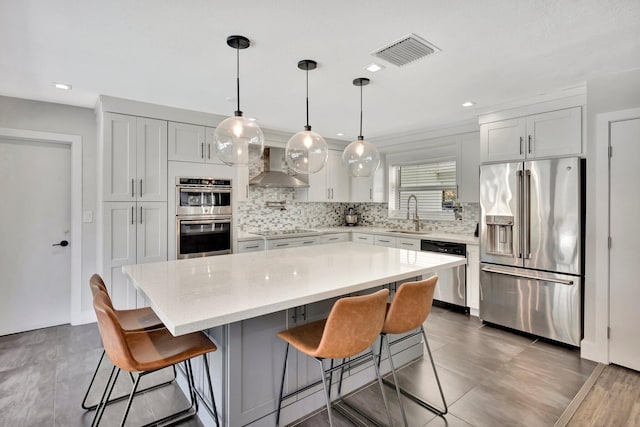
133	189
530	145
406	244
281	244
133	214
328	194
307	242
252	247
209	151
521	141
384	241
140	214
140	188
371	194
202	150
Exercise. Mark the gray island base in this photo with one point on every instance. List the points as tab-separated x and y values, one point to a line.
243	300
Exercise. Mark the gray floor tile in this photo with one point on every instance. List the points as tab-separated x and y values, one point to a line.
16	356
78	339
37	336
27	378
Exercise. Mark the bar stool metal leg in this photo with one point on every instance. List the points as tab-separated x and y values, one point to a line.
213	398
435	372
385	338
384	398
326	392
284	373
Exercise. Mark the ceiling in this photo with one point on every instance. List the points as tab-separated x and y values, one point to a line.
174	53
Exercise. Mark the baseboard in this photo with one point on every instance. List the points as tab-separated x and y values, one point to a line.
591	351
84	317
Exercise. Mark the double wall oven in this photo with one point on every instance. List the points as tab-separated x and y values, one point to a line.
203	217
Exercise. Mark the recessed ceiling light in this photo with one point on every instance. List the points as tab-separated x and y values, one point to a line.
63	86
373	67
340	134
469	104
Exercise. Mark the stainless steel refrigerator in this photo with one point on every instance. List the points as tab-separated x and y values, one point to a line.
531	247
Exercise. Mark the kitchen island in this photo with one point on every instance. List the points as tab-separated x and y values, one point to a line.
243	300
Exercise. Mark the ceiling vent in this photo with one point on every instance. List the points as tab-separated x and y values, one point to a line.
405	50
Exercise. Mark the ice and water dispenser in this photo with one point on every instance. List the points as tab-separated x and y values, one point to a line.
499	234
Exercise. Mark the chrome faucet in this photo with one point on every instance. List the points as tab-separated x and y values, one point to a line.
416	219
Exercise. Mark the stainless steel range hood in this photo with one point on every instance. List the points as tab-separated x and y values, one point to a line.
274	174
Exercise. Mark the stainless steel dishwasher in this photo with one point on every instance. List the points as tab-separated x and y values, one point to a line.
451	289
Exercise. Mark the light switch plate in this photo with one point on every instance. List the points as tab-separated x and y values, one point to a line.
87	216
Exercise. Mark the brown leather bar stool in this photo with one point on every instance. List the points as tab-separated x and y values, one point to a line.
408	310
353	325
139	319
146	352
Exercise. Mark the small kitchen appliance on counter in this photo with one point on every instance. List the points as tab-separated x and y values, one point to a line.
351	217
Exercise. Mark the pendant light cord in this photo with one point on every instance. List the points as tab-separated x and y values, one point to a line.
360	136
307	127
238	112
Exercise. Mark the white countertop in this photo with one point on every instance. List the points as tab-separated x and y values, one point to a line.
426	235
196	294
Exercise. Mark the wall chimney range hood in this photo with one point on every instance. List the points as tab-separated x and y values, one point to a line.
274	175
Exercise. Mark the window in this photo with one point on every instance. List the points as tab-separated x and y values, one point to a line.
433	184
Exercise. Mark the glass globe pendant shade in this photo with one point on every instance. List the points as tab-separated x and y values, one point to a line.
361	158
238	141
306	152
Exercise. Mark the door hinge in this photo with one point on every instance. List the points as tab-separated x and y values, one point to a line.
609	242
610	151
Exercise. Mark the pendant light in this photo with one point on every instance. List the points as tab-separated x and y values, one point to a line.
306	152
361	157
238	140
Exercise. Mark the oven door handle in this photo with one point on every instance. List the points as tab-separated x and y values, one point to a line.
205	222
204	190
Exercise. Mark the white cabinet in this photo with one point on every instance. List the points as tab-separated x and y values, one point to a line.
251	246
362	238
335	238
384	241
468	168
134	159
551	134
332	183
292	242
406	243
191	143
473	278
370	189
134	233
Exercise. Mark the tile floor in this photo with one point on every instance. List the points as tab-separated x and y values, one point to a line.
490	377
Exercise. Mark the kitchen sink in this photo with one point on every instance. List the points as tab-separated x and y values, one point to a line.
408	232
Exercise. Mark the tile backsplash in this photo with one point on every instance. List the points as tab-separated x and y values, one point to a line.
255	215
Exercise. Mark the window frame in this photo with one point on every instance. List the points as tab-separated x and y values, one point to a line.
400	212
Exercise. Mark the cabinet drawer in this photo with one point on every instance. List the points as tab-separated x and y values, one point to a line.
362	238
404	243
334	238
291	243
384	241
251	246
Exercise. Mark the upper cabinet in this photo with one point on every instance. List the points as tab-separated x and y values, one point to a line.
468	168
553	134
332	183
370	189
191	143
135	159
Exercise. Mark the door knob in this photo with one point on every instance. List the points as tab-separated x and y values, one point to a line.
62	243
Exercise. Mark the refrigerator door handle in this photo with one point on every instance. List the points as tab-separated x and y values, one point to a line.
527	215
527	276
519	195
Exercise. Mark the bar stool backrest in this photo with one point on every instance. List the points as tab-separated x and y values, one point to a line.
97	284
410	306
112	334
353	325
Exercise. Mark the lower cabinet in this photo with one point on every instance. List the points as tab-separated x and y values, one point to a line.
384	241
405	243
362	238
251	246
473	278
335	238
134	233
292	242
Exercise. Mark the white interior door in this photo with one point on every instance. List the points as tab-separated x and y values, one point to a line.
35	282
624	273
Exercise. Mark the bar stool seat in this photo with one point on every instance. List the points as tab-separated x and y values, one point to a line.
138	319
353	325
145	352
407	312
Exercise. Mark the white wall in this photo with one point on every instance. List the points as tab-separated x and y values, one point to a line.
604	94
47	117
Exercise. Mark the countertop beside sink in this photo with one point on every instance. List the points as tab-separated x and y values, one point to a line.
426	235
